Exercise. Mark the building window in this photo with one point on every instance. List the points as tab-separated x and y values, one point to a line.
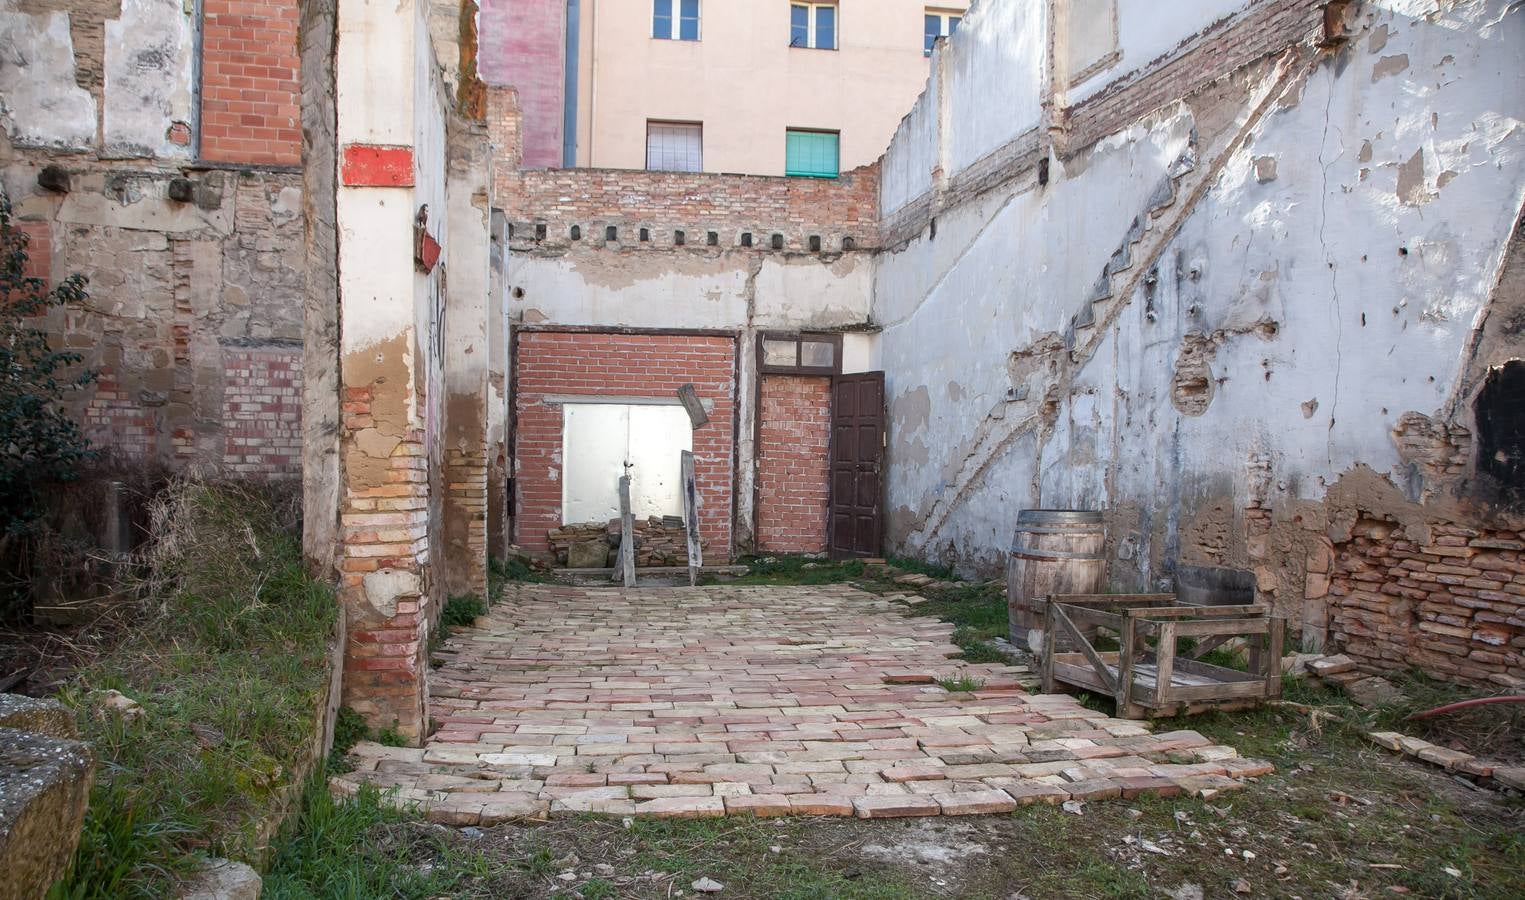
813	25
938	24
812	153
675	20
799	354
674	147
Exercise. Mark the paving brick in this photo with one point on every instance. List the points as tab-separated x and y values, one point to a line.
971	803
682	807
887	807
760	805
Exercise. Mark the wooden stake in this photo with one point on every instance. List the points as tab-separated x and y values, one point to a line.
691	516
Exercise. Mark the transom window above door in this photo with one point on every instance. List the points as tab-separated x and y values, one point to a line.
675	20
938	24
813	25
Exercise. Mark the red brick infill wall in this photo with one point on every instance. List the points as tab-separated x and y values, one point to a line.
249	93
794	435
549	364
1453	606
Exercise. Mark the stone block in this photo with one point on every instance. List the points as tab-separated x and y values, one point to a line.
588	555
223	879
47	717
1331	665
44	787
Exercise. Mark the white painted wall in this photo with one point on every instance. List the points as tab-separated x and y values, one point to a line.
150	58
41	105
1149	29
1366	332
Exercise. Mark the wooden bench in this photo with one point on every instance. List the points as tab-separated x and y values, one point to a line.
1148	675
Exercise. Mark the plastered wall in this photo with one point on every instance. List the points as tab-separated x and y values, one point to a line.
1250	290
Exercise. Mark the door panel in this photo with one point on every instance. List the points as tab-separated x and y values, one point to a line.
857	454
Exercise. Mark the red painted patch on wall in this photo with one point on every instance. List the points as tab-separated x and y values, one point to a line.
375	165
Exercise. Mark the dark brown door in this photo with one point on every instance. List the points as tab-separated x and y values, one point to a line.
857	459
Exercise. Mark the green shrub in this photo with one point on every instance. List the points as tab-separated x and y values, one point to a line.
39	443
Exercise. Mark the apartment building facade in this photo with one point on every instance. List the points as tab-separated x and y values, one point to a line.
757	87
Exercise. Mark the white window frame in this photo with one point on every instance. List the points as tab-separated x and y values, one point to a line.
677	21
944	16
696	127
810	23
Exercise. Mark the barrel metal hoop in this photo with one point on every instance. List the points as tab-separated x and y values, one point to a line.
1027	553
1072	529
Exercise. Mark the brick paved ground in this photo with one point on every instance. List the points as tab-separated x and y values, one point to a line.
754	700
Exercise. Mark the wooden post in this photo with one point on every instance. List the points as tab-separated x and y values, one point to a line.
1275	637
1165	662
1125	663
627	534
691	516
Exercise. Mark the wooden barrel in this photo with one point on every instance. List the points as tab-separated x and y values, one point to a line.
1054	551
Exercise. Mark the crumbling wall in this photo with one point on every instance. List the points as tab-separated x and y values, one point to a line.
1236	302
196	271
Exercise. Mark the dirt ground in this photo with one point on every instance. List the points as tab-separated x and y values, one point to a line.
1339	818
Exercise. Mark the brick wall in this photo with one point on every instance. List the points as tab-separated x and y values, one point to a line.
523	45
39	249
631	365
262	411
249	86
1453	605
794	435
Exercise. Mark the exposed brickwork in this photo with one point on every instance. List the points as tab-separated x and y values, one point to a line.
696	203
1454	606
794	434
250	96
465	474
173	309
262	411
39	249
633	365
1264	28
385	536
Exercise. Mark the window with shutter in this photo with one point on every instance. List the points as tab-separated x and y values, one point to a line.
811	153
674	147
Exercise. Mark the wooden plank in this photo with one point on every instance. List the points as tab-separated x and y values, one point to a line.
1126	640
689	397
1273	657
1079	676
1209	627
1213	672
690	490
1081	615
1057	612
1048	648
627	535
1217	691
1209	612
1166	665
1209	645
1115	599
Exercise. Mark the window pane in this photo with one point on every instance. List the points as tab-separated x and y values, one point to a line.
799	26
931	30
818	354
826	27
953	24
661	18
688	24
778	353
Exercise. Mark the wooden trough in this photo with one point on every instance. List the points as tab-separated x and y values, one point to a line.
1148	675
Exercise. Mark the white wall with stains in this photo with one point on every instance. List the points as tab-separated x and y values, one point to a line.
40	103
1327	281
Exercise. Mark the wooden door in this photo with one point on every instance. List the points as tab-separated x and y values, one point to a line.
856	514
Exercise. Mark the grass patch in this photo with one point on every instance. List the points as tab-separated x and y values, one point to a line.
228	658
962	684
907	564
363	847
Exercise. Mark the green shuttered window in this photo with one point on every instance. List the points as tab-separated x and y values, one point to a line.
811	153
